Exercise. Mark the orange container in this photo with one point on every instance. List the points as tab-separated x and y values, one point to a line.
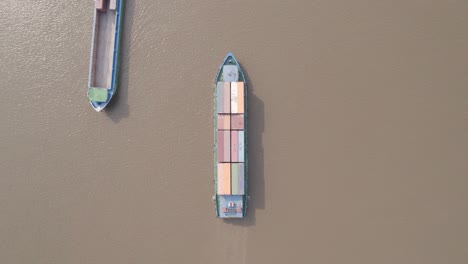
224	122
224	179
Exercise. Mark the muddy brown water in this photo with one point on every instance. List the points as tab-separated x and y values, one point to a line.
358	133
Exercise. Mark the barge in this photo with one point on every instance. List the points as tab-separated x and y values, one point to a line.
230	148
104	62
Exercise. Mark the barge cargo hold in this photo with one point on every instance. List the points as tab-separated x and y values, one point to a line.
230	153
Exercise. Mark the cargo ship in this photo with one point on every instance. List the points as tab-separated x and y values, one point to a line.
104	62
230	152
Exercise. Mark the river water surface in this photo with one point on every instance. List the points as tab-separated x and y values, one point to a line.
358	133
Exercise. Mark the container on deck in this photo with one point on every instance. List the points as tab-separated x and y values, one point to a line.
237	121
240	97
220	97
224	146
101	5
227	146
224	122
234	146
224	179
112	4
234	95
227	97
223	95
237	179
240	146
237	97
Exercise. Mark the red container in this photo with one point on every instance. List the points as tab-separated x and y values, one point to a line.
224	146
234	147
237	121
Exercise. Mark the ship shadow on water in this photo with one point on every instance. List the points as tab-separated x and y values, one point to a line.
118	107
255	152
